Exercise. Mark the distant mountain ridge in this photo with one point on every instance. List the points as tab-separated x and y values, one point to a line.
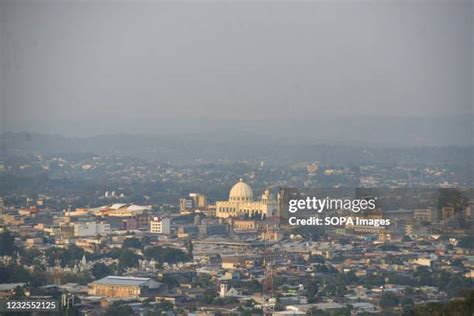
354	130
193	148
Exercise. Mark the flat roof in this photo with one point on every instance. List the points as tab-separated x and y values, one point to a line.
10	286
120	280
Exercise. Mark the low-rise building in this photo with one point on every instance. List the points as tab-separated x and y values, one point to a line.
118	286
85	229
425	215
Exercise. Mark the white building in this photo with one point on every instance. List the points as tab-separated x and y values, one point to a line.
121	210
87	229
160	225
423	262
241	203
223	290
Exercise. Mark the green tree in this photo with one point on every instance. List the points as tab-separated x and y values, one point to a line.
29	256
314	311
166	254
163	306
100	270
389	247
317	259
311	287
119	308
74	253
457	263
128	259
56	254
18	294
7	244
170	281
209	296
350	277
132	243
389	300
189	248
66	257
467	242
407	302
114	253
458	307
202	281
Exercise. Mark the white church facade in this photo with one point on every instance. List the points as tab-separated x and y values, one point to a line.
241	203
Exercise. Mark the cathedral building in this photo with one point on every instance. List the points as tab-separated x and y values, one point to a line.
241	203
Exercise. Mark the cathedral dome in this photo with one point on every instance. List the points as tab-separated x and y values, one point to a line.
241	192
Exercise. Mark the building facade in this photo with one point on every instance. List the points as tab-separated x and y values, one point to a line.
87	229
425	215
160	225
241	203
125	287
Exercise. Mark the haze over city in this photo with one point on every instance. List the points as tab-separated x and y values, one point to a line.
236	158
321	72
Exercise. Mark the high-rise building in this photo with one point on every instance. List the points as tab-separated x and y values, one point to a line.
160	225
196	201
199	200
185	205
88	229
284	197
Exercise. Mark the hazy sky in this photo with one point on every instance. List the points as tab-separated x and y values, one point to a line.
90	67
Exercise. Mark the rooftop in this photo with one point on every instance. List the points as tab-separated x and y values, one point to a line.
119	280
10	286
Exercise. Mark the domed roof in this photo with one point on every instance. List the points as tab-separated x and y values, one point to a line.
241	192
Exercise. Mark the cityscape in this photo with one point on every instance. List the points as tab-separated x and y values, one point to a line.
148	241
238	158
